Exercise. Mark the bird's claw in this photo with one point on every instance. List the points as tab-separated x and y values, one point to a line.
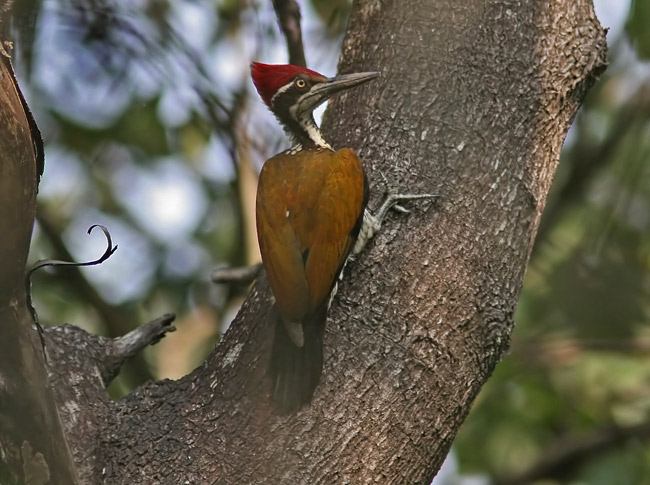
393	201
372	222
393	196
401	209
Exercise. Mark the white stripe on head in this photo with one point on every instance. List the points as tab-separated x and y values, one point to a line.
280	91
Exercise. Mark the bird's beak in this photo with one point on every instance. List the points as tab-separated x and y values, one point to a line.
335	84
321	92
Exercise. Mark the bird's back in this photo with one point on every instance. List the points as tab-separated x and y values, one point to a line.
308	210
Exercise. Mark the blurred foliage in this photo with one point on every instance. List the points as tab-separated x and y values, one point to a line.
150	127
637	27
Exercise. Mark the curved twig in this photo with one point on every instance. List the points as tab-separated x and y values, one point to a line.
110	249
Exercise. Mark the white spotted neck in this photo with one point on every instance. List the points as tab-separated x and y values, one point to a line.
312	131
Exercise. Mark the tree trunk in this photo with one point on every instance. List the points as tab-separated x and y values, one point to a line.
473	103
33	449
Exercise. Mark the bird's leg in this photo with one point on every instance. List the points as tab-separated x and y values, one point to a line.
372	222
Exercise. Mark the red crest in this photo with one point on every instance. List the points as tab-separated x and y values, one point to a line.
269	78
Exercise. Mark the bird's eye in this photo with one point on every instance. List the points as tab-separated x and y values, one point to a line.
301	83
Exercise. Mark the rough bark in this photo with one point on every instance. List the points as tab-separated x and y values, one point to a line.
474	102
33	448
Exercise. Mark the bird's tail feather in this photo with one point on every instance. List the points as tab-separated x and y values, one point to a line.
295	371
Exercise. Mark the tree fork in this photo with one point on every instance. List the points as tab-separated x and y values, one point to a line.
473	103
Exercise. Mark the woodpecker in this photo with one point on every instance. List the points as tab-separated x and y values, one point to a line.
311	214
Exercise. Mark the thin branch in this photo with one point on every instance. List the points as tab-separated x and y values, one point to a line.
288	13
130	344
242	275
77	355
148	334
564	456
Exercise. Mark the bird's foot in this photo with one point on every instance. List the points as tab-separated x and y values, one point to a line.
372	222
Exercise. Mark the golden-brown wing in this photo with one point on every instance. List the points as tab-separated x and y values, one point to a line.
307	206
279	247
285	270
338	209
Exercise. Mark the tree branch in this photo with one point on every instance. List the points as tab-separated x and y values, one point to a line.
288	13
242	275
100	356
129	345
